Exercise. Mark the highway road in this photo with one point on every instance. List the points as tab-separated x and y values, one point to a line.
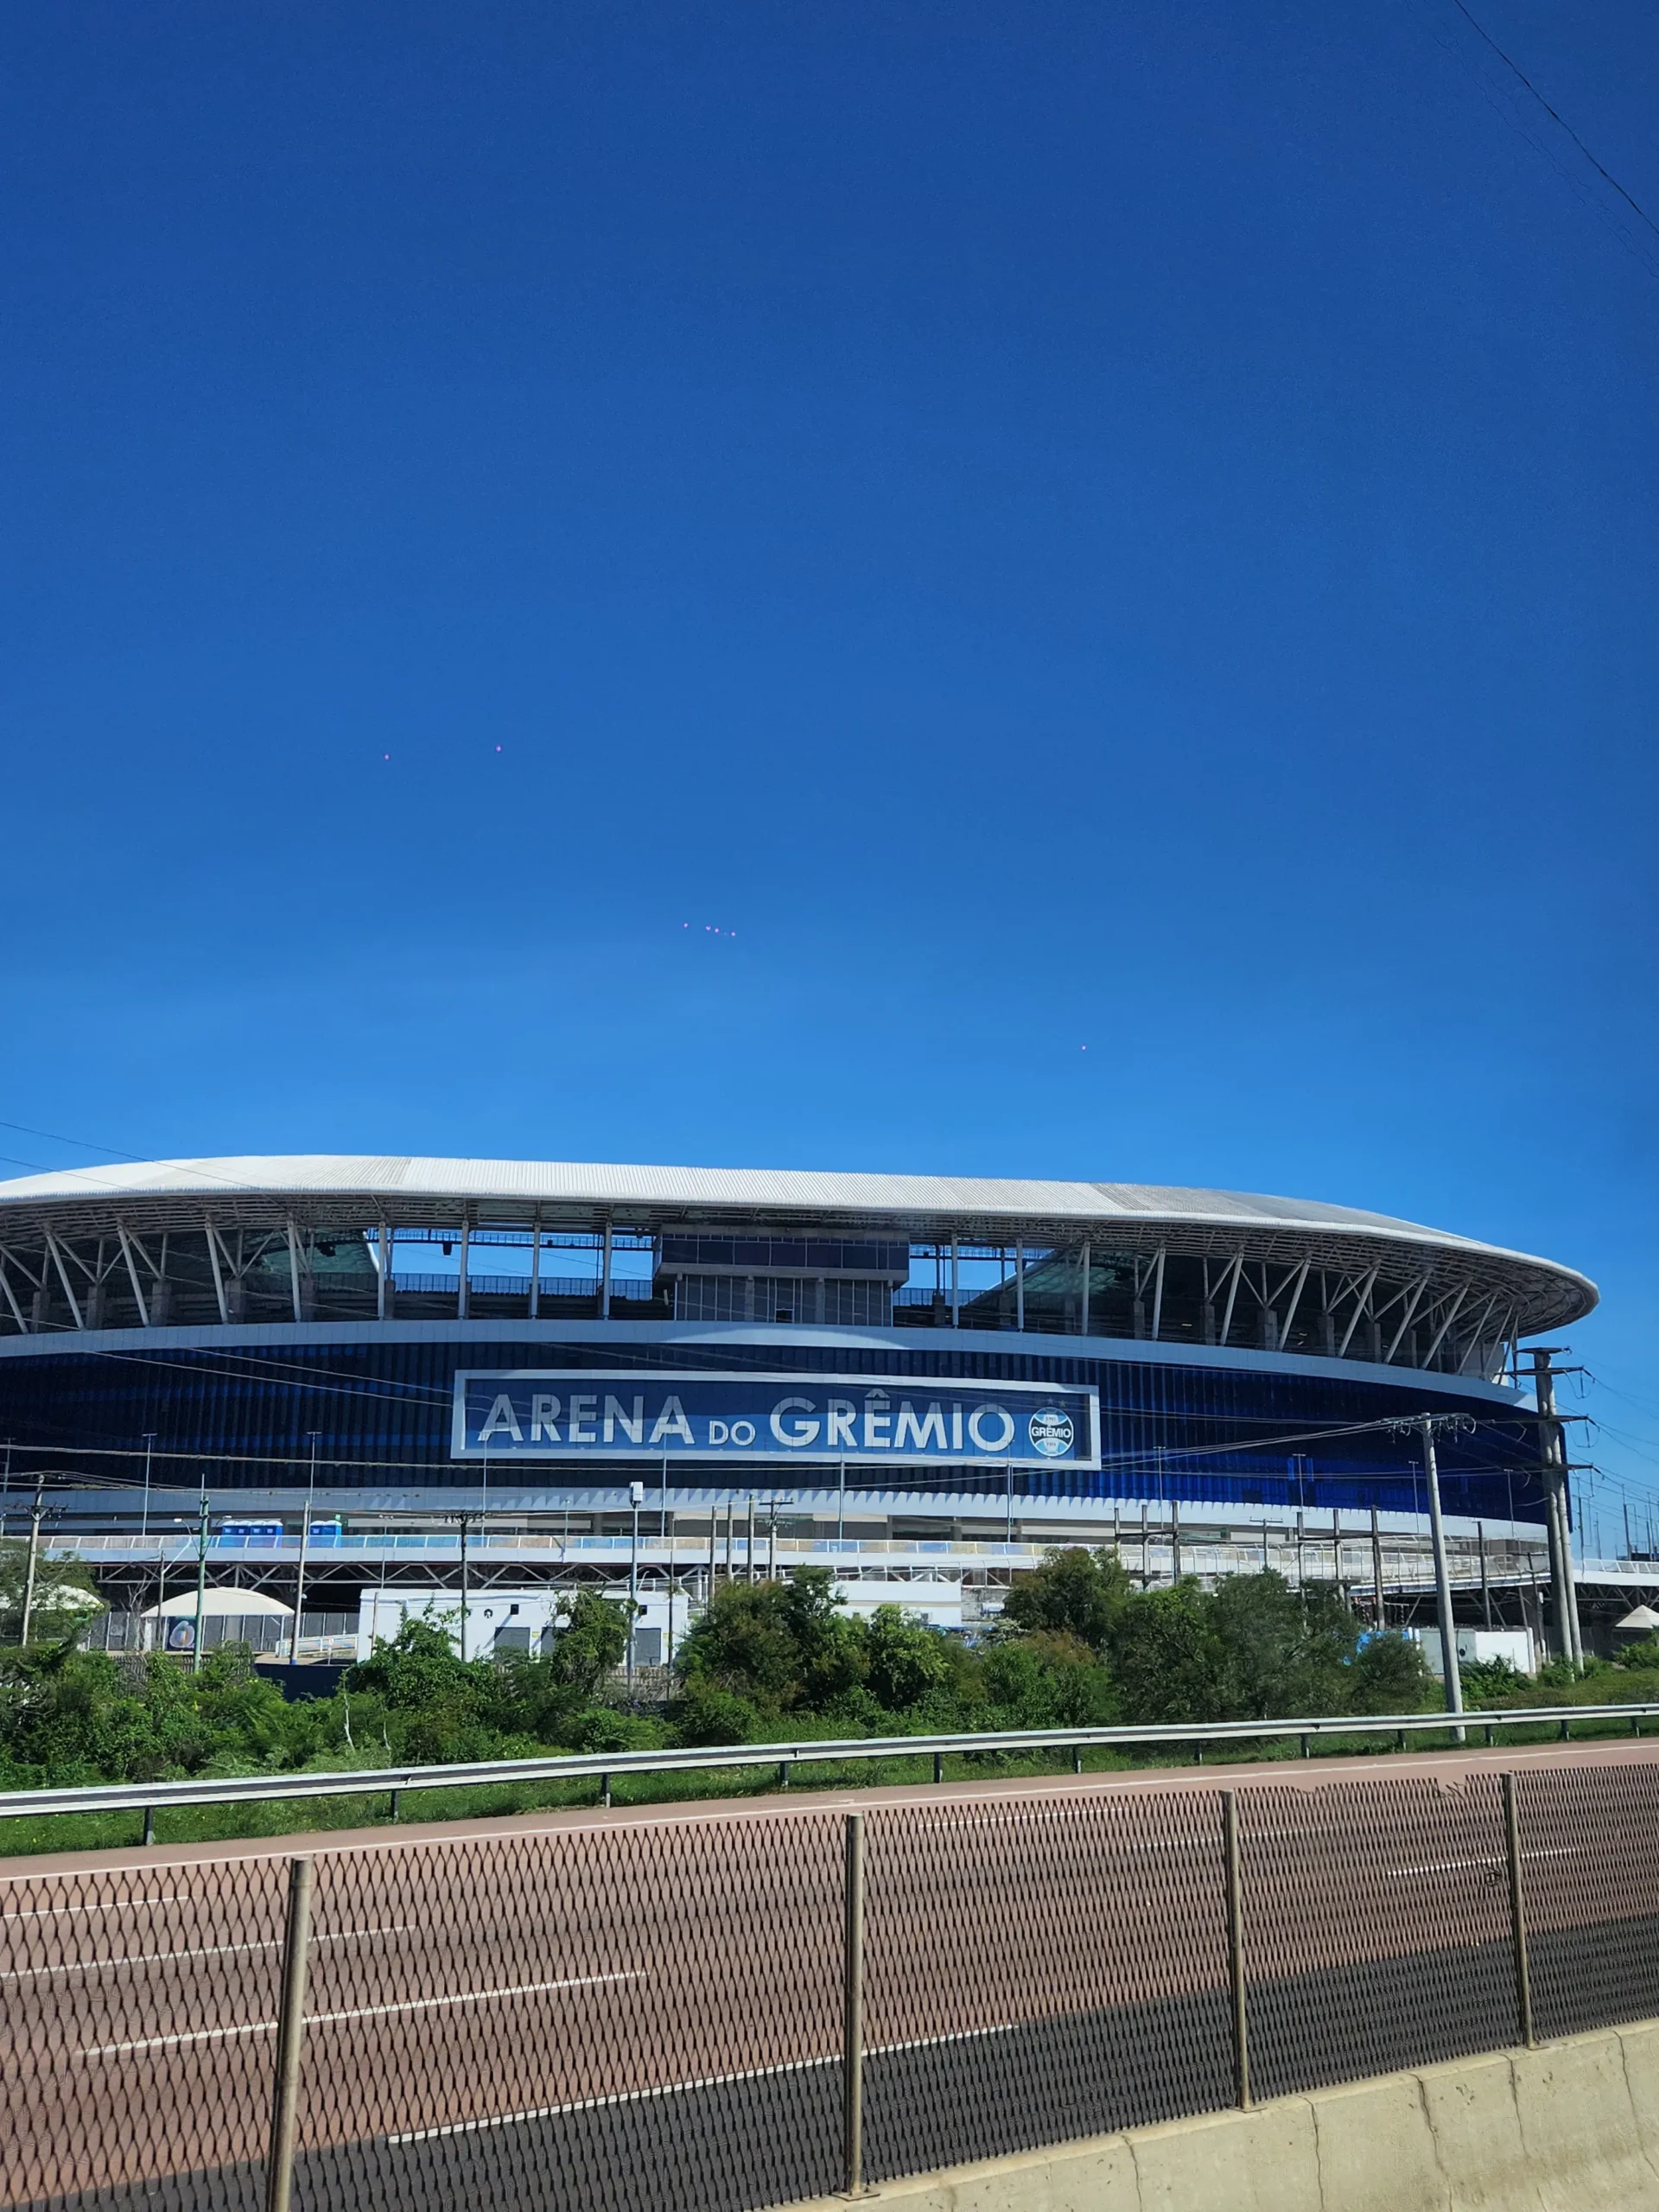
642	2008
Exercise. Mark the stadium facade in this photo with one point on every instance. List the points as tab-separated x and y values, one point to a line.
897	1354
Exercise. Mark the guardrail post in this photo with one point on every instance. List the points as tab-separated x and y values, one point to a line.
604	1791
149	1824
1235	1946
290	2033
938	1766
1518	1913
853	2011
392	1809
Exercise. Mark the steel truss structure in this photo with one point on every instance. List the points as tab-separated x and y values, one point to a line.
204	1244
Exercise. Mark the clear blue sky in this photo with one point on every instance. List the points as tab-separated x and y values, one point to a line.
1108	548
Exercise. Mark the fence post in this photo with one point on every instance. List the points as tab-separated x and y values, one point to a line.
853	2009
290	2034
1518	1913
1235	1946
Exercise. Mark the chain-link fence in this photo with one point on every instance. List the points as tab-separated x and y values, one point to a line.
714	2009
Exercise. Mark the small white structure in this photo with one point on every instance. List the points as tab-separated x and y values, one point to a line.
1641	1621
1512	1645
939	1604
502	1621
180	1604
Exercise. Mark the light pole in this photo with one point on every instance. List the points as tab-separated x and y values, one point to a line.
1426	1425
31	1570
636	1499
305	1546
149	1446
464	1589
201	1573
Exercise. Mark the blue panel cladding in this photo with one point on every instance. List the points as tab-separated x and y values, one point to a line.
1213	1436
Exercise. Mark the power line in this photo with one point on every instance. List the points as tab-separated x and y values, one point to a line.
1555	116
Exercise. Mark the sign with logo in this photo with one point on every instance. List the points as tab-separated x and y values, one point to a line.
557	1413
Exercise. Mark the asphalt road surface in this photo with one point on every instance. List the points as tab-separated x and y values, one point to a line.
642	2009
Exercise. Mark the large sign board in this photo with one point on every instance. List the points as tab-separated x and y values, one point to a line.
890	1421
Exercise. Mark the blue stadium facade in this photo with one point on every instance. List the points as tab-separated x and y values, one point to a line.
410	1336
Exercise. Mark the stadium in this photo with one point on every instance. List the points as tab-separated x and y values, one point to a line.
540	1371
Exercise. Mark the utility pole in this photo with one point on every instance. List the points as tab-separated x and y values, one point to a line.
1551	1452
149	1446
305	1547
1485	1586
1442	1576
464	1589
32	1569
636	1499
1379	1612
201	1573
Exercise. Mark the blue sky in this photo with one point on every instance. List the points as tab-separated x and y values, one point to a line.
1107	550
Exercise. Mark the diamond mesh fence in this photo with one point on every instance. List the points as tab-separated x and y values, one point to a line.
640	2013
1590	1854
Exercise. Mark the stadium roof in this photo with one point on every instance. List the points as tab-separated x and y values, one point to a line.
340	1187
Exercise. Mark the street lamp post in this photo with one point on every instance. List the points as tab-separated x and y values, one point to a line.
1425	1425
636	1499
305	1547
201	1573
30	1572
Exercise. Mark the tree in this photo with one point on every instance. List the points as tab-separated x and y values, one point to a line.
65	1596
1168	1661
591	1641
1045	1680
907	1660
1074	1592
779	1644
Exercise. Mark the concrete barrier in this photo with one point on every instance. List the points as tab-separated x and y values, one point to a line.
1571	2127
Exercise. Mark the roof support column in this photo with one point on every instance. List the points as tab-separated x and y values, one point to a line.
1236	1271
219	1278
293	1272
955	1283
138	1298
383	1288
1158	1296
1082	1311
1019	1285
23	1329
461	1281
1361	1312
604	1273
536	1264
54	1247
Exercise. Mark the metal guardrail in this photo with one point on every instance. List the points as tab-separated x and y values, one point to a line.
605	1767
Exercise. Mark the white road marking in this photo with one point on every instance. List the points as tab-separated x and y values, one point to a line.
125	1905
205	1951
362	2012
133	1958
698	2081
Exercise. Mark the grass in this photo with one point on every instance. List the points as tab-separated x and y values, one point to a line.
288	1816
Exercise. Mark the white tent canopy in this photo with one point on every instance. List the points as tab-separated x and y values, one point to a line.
180	1604
1640	1619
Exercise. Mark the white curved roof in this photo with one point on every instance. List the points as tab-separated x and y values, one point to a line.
777	1193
